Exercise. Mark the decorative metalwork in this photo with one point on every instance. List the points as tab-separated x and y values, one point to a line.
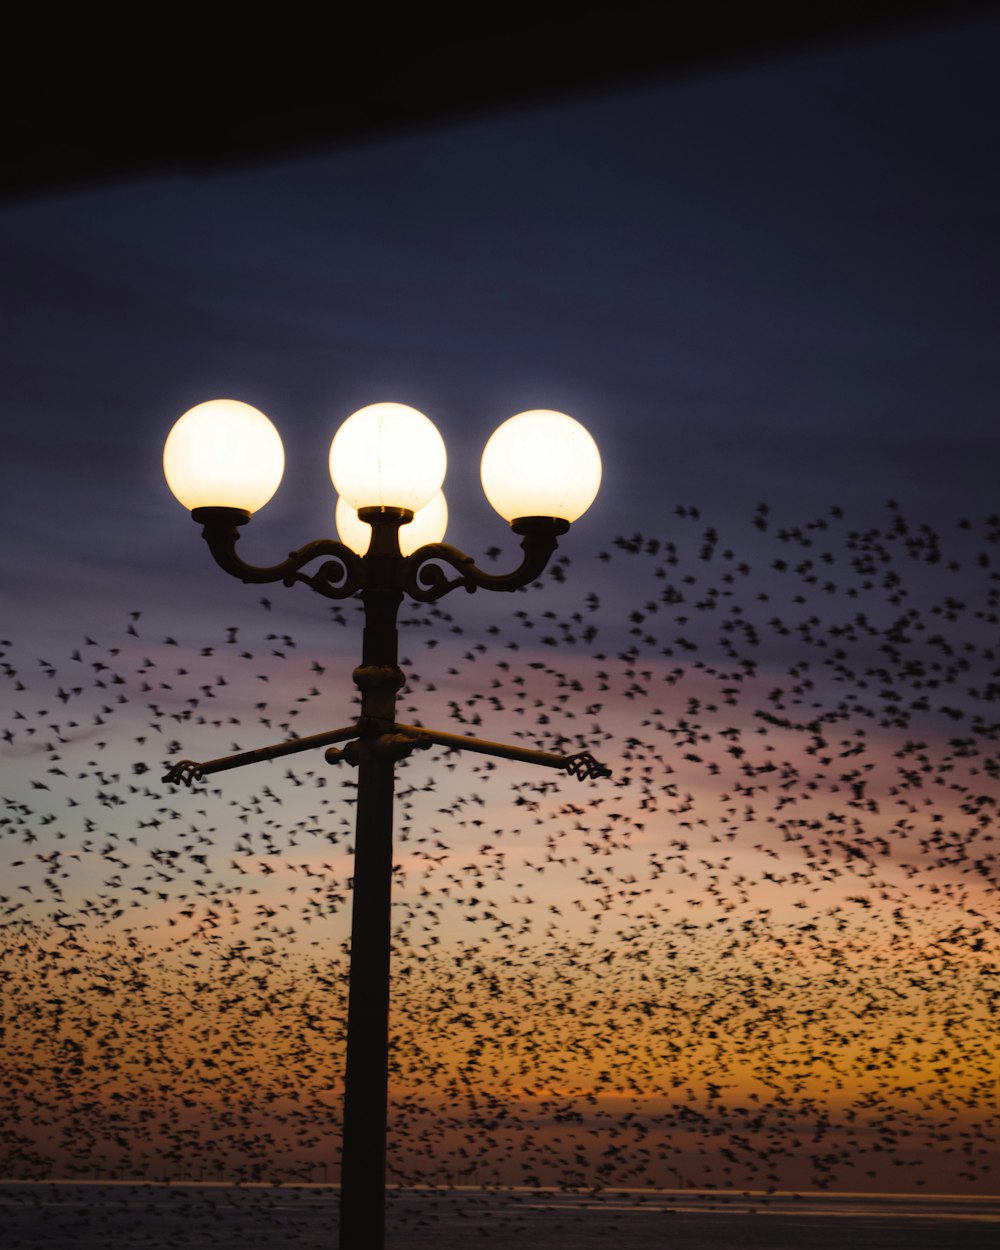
183	773
344	572
584	767
338	578
423	578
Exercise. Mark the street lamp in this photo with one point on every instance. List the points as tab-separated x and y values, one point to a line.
540	470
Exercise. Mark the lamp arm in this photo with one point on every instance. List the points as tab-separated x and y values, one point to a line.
424	579
337	578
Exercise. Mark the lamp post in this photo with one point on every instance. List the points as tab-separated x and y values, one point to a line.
540	470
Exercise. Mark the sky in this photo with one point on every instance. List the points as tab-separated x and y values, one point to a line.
772	284
773	279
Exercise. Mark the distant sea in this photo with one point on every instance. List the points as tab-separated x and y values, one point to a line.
100	1215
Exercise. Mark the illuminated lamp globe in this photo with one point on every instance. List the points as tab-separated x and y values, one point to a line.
428	526
223	454
387	456
541	464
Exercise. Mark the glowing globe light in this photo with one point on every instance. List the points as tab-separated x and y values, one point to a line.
428	526
541	464
223	454
387	456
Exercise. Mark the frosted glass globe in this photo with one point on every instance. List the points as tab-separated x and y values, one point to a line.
387	456
223	454
428	526
541	463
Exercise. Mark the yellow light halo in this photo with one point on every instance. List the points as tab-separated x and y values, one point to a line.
428	526
387	456
541	464
223	454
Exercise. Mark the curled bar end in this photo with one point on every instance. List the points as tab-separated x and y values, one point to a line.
183	773
585	768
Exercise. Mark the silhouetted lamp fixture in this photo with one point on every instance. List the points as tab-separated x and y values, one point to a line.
540	470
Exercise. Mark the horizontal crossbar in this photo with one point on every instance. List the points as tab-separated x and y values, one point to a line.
582	765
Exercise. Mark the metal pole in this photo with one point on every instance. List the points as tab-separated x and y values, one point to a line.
362	1177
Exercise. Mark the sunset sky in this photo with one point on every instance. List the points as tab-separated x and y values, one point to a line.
763	954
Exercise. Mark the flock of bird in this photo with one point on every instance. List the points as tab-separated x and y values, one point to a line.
763	955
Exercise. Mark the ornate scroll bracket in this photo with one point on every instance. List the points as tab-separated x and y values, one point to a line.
338	578
425	580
